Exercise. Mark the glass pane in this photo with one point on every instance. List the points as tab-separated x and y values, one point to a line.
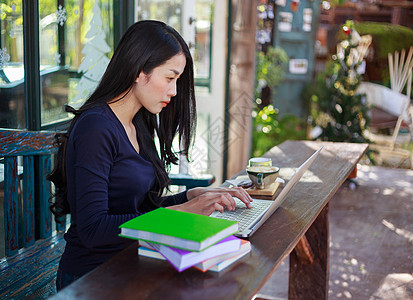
76	42
12	114
203	25
199	163
166	11
170	12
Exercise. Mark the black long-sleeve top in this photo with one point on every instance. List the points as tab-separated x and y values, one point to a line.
107	181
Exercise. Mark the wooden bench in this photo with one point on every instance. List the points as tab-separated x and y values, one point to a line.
32	247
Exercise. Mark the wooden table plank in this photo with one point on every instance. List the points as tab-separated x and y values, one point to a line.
129	276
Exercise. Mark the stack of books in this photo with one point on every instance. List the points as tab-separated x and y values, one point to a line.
186	239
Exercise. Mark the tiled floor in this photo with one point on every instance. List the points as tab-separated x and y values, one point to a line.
371	243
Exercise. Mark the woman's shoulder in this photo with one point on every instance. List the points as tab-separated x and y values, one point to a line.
98	112
96	116
96	120
94	135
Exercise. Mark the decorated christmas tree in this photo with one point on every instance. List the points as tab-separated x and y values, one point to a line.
95	61
339	113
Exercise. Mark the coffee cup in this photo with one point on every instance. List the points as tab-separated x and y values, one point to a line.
260	161
262	176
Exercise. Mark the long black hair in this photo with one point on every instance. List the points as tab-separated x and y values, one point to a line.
143	47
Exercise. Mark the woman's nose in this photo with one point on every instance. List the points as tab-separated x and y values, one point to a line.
172	91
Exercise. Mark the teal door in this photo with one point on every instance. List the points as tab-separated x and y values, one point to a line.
295	31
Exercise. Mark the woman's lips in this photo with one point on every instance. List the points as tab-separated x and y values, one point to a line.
165	103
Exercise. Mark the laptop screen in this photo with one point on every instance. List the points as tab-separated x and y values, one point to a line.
291	183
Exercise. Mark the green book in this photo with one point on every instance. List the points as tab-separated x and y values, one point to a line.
178	229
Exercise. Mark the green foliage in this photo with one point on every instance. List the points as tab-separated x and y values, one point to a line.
336	2
4	10
271	67
270	130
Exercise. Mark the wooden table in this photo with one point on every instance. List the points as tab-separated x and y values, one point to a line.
299	228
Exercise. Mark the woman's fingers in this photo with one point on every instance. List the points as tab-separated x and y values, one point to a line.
222	198
218	207
228	200
241	194
215	199
238	192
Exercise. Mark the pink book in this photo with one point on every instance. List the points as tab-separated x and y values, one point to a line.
183	259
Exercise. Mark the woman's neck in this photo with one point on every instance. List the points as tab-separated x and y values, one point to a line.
125	109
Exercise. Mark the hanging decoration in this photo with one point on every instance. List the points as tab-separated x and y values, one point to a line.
294	5
307	19
286	21
298	66
266	16
61	15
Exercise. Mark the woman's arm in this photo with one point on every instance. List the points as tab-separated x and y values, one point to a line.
94	150
176	199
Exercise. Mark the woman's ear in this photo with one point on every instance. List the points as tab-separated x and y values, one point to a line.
140	77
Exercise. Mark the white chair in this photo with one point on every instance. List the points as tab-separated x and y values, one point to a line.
389	109
401	73
401	70
395	105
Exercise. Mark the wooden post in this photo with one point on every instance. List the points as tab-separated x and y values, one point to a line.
309	262
241	86
399	16
28	229
11	217
45	215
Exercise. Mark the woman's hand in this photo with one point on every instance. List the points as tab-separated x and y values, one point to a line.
206	200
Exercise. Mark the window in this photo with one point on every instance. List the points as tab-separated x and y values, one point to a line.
193	20
12	113
75	40
166	11
203	34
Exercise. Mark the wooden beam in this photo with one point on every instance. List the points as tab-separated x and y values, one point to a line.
395	3
303	251
400	16
310	280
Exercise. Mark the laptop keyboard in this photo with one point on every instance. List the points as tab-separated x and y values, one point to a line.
245	216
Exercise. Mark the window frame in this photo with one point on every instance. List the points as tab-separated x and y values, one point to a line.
123	11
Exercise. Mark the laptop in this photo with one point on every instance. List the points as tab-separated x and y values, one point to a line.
250	219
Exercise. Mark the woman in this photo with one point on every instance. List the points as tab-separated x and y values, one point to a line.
108	169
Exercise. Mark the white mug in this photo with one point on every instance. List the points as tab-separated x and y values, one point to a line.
260	161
